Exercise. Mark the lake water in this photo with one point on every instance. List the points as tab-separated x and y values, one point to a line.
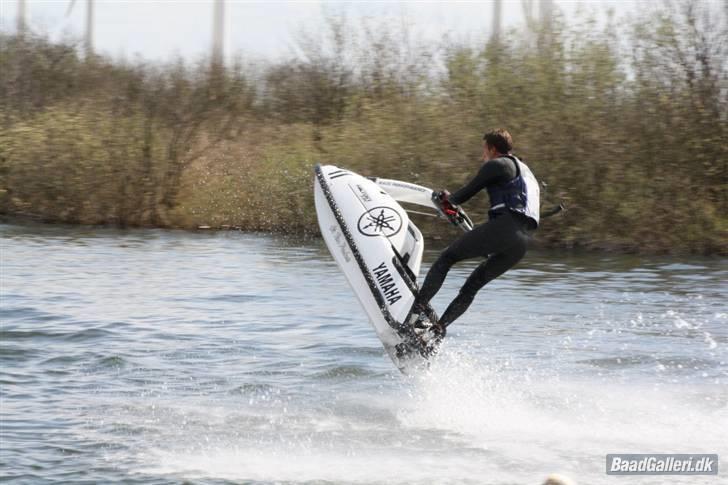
149	356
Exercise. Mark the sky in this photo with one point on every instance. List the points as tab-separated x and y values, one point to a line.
160	29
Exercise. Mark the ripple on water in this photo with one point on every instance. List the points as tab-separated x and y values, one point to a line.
252	388
345	372
13	353
98	334
666	362
22	314
111	362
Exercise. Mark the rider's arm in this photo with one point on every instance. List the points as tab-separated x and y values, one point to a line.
492	171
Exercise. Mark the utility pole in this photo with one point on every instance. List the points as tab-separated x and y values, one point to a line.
496	31
21	25
88	41
545	10
545	30
218	33
527	6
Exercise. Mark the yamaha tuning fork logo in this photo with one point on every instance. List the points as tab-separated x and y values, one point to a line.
380	221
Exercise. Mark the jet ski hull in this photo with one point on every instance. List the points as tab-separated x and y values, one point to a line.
379	251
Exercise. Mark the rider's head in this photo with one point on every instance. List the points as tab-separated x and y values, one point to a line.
496	143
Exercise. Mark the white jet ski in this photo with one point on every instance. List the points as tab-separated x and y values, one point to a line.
380	250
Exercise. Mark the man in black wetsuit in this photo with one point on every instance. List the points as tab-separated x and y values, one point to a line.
503	240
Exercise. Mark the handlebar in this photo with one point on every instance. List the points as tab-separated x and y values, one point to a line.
461	220
458	217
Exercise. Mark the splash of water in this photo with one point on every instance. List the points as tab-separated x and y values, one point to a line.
463	421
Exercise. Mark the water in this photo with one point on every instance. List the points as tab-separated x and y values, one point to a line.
152	356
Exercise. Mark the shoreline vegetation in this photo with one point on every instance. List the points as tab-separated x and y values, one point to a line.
627	122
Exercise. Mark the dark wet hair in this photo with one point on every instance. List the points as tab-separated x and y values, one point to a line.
499	139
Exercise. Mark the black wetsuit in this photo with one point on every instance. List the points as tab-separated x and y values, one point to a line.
503	240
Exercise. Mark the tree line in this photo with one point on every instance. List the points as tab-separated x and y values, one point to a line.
627	121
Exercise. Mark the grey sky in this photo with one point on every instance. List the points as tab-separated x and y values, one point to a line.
158	29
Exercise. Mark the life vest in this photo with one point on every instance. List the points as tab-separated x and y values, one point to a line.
520	194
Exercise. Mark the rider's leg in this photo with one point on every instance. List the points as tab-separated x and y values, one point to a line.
481	241
493	267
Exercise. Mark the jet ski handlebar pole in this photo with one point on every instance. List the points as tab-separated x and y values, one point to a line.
553	211
422	196
421	213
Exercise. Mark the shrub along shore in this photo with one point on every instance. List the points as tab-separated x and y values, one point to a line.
626	122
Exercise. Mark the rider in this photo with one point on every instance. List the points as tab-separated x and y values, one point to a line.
513	214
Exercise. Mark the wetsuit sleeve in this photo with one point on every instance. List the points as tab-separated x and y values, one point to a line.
492	171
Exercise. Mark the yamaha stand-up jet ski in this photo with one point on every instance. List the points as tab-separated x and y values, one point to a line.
379	250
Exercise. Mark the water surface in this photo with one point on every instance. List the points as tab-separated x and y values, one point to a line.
151	356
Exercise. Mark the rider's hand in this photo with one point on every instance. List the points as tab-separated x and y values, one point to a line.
447	207
443	195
